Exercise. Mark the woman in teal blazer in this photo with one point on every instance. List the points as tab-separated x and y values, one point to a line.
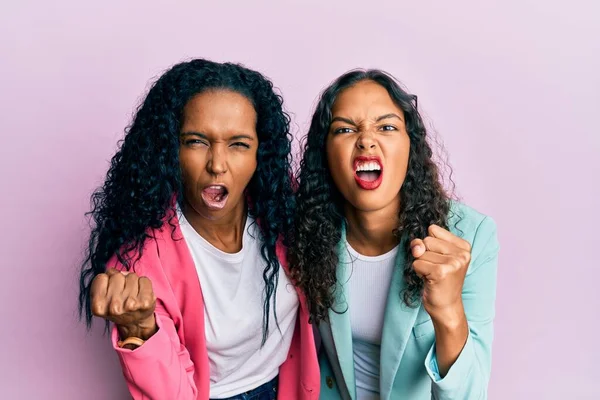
400	279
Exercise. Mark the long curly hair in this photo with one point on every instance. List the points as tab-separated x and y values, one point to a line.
145	175
319	213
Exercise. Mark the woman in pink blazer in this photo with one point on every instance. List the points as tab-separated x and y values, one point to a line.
190	234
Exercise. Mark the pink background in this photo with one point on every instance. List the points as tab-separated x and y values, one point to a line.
513	89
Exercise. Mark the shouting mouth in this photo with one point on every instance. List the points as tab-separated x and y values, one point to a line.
368	172
215	197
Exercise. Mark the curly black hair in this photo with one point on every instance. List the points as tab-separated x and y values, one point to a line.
319	213
145	175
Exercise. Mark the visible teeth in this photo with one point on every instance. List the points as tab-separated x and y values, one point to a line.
368	166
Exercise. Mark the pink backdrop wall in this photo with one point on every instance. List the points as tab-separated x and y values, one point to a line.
513	89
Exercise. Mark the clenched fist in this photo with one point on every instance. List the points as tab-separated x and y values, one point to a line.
441	260
127	300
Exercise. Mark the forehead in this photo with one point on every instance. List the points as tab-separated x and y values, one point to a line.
363	100
219	111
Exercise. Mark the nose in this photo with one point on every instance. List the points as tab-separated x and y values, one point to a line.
217	162
366	141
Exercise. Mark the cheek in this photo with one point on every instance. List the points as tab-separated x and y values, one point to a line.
398	154
338	155
243	168
191	168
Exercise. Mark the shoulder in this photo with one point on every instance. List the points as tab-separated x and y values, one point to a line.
466	222
465	218
478	229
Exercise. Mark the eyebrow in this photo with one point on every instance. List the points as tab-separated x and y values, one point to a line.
242	136
380	118
390	115
203	136
342	119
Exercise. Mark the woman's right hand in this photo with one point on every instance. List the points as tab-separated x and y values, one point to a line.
127	300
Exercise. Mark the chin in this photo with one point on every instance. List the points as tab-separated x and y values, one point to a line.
372	200
212	215
367	204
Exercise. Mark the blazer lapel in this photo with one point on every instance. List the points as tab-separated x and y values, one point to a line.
397	328
340	321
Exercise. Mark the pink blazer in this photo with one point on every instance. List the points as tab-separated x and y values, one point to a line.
173	364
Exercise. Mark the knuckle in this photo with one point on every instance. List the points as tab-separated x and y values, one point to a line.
454	263
98	308
442	272
147	303
130	304
440	276
115	308
466	257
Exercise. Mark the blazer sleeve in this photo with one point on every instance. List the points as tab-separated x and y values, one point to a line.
161	368
468	377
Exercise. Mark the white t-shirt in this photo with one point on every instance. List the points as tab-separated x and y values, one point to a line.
369	286
233	291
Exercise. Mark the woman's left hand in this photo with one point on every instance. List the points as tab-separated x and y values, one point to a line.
442	260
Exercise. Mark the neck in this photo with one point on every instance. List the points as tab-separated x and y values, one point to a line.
371	233
225	233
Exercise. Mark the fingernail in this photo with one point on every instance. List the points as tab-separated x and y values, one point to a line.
417	248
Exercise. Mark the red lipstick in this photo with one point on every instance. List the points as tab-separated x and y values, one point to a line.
370	166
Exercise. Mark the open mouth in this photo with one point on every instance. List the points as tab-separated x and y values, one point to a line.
215	196
368	172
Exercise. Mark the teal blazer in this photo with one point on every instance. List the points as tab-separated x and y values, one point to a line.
408	364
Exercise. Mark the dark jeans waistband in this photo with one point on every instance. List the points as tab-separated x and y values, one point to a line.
266	391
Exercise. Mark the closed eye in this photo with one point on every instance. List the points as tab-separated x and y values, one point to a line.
195	142
240	145
343	130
